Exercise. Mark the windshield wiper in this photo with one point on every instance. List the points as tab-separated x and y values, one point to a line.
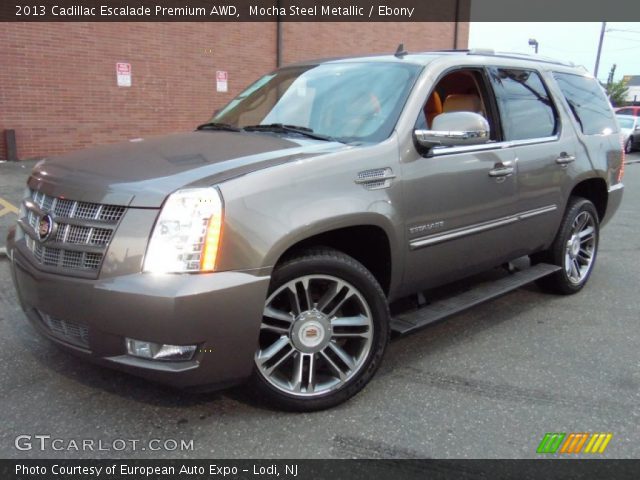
282	128
218	126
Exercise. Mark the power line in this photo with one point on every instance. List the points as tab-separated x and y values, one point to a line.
624	38
622	30
621	49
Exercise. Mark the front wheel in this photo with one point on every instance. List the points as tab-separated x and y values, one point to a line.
574	249
324	331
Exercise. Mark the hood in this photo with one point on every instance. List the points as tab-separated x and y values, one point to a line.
142	173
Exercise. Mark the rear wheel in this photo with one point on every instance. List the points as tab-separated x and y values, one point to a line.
324	331
574	249
628	145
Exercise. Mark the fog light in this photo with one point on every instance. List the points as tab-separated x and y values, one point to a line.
159	351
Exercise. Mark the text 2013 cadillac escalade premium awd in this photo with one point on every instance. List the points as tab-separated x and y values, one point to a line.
268	244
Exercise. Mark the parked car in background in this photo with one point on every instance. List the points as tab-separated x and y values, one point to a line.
633	111
630	129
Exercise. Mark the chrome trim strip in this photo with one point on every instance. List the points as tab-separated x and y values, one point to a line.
537	211
438	151
477	228
364	181
462	136
617	186
462	232
534	141
33	207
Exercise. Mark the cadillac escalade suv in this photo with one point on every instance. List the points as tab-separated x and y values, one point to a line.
272	243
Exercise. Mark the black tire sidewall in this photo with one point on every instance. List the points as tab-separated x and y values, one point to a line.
330	262
576	206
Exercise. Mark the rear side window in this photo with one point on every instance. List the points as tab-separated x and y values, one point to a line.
588	103
525	107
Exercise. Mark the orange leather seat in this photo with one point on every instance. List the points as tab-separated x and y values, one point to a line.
432	108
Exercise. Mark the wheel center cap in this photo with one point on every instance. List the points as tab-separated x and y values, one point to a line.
575	246
311	334
311	331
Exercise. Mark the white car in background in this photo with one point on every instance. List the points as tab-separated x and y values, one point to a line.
630	128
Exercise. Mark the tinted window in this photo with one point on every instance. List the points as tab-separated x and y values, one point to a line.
625	122
526	110
588	103
624	111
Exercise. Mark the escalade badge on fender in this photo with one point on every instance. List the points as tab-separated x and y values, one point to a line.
45	227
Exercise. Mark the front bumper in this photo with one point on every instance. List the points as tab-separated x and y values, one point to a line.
220	312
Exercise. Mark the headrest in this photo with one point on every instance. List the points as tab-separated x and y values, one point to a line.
462	103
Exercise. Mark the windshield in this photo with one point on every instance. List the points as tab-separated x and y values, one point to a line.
346	101
625	122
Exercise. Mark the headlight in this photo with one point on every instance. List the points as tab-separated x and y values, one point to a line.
187	233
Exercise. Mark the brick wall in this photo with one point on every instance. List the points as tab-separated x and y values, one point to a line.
58	81
316	40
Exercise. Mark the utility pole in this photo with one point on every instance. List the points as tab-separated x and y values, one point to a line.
595	70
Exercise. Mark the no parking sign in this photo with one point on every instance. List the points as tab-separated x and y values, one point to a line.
123	74
221	81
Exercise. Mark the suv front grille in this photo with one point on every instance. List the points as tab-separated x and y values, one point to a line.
82	232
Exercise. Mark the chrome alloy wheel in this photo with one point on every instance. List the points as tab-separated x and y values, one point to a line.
316	334
581	247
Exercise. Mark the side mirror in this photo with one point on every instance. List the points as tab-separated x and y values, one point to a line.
454	129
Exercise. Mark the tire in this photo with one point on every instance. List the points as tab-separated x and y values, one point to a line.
628	145
574	249
336	325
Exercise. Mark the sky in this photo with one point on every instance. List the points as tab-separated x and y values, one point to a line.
576	42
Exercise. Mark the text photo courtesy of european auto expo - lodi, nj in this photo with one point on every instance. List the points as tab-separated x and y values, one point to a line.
302	239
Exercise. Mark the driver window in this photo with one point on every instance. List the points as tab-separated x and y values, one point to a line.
459	91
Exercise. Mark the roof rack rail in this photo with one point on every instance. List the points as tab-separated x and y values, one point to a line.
449	50
520	56
489	52
481	51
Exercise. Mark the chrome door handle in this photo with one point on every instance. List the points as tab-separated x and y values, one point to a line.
565	159
501	171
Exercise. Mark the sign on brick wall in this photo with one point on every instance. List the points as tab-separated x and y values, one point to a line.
221	81
123	74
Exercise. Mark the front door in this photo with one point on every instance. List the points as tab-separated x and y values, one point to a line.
460	203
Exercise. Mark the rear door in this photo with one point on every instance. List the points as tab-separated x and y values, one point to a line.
545	151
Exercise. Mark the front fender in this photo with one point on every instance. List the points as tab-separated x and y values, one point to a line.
269	211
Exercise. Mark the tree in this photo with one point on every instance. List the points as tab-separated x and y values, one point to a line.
617	92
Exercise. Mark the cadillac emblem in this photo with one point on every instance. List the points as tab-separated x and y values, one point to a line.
311	332
45	227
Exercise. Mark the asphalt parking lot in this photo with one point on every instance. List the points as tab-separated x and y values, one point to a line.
488	383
